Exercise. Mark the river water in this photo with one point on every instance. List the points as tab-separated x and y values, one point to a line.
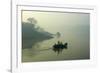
78	46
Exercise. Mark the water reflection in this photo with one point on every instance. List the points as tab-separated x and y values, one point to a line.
59	47
56	47
49	43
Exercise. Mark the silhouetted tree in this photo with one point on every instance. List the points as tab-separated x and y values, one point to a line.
32	20
58	34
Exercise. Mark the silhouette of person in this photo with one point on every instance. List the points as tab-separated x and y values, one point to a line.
59	47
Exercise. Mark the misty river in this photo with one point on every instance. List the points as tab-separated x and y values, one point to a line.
78	47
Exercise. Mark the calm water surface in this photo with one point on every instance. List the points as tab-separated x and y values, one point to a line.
78	46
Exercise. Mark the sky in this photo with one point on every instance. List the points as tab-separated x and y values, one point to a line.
60	20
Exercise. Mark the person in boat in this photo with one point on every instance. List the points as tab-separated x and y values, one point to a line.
59	47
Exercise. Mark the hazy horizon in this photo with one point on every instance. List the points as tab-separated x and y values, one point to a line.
73	27
47	20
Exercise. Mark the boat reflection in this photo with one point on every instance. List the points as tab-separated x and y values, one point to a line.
59	47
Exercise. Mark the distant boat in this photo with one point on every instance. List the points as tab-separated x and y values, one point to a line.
60	46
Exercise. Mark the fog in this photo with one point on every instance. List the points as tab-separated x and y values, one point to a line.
47	28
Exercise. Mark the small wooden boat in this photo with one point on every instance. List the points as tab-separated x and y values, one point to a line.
59	47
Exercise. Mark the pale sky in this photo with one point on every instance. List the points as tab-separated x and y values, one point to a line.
52	20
